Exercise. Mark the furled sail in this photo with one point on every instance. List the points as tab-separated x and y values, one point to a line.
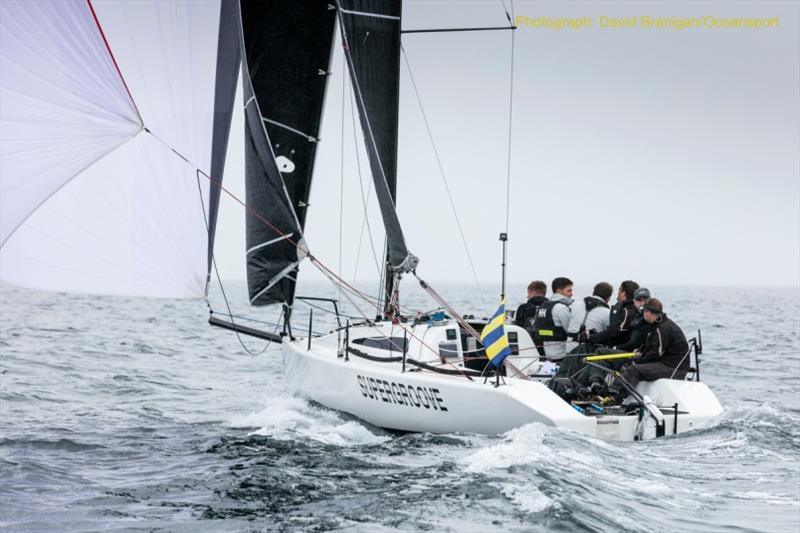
108	210
287	48
371	35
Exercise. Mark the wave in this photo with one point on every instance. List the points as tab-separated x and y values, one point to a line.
289	417
42	444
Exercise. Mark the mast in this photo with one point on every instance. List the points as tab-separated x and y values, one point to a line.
389	274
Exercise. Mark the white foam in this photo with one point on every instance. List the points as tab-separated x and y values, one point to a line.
766	497
289	417
529	499
524	445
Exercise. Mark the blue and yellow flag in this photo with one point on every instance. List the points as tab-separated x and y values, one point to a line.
494	336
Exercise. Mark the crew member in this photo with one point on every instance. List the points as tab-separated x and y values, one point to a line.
639	327
526	313
552	321
622	314
665	351
590	314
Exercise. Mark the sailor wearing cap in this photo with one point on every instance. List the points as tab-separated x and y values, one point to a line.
639	327
664	353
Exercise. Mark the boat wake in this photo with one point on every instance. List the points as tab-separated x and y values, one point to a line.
288	417
170	440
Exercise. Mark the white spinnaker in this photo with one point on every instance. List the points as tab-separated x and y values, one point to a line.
132	223
62	103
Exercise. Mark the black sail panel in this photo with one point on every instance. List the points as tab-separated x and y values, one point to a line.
371	35
228	57
287	49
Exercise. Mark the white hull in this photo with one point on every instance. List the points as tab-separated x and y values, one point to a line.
381	394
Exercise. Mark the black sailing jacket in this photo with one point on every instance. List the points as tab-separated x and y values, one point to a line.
666	344
638	334
619	325
526	313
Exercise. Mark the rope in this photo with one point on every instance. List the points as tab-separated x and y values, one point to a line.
321	266
382	276
323	309
341	177
441	301
342	285
114	60
464	324
364	198
444	178
219	279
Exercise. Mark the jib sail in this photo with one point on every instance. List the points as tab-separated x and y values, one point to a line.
286	50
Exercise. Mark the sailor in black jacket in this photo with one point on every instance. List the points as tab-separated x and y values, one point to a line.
665	351
638	327
526	313
622	315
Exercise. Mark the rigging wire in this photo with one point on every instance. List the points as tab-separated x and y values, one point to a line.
333	277
341	177
248	208
330	312
326	271
382	277
510	17
506	10
444	178
219	279
368	129
510	114
364	198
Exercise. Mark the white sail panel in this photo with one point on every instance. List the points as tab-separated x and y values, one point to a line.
63	104
133	223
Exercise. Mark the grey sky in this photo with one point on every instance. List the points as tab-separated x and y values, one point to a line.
666	156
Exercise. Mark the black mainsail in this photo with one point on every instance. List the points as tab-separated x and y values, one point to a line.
371	39
286	49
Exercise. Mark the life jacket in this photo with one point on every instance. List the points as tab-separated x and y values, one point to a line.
544	327
531	310
590	302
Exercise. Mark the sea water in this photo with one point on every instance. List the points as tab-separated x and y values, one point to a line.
133	414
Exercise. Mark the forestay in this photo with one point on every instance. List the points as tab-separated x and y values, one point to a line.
124	214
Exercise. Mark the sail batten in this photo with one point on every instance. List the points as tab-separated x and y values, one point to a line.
308	137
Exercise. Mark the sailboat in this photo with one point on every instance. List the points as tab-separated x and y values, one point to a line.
148	134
